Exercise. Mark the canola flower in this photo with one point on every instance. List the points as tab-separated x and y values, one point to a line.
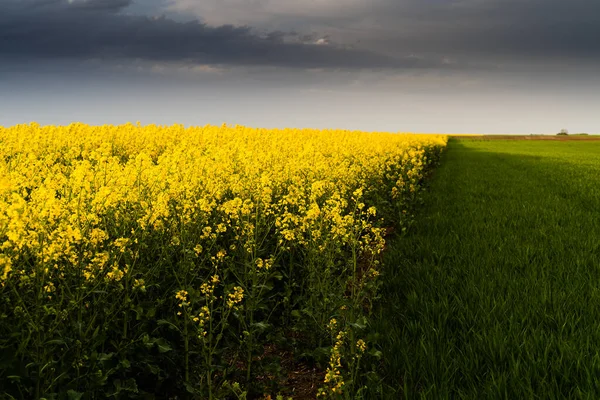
333	375
235	298
80	203
59	184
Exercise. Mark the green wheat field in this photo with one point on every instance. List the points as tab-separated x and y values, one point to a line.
495	292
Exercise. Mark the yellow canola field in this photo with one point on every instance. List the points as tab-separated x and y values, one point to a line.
190	248
63	189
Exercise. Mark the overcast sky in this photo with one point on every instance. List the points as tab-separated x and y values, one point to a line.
486	66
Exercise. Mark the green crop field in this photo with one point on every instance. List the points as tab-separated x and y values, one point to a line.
297	264
495	291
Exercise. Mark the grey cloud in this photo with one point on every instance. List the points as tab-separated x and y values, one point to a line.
84	29
471	29
371	34
518	29
101	5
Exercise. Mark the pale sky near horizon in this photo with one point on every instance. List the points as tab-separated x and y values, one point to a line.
455	66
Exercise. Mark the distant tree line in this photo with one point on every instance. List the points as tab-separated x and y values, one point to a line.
565	132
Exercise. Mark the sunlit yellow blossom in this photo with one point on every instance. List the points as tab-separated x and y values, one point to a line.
332	324
181	295
236	297
361	345
139	284
5	266
202	319
86	210
115	274
49	288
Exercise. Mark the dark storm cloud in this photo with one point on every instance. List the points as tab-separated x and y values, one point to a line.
474	29
551	28
395	34
83	29
519	29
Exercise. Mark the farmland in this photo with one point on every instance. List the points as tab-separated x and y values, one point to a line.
206	262
224	262
495	289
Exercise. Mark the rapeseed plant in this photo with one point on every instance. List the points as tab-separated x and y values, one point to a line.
250	228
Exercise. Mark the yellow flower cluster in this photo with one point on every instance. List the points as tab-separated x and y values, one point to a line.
266	264
333	375
332	325
182	296
202	320
208	288
361	345
70	195
5	267
235	298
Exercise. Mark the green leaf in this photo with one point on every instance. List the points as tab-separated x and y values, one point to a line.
189	388
278	275
165	322
268	286
105	356
128	385
73	395
95	334
357	325
261	326
376	353
163	346
56	341
153	369
139	312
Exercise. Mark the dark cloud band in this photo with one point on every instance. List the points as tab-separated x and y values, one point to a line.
471	30
99	29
